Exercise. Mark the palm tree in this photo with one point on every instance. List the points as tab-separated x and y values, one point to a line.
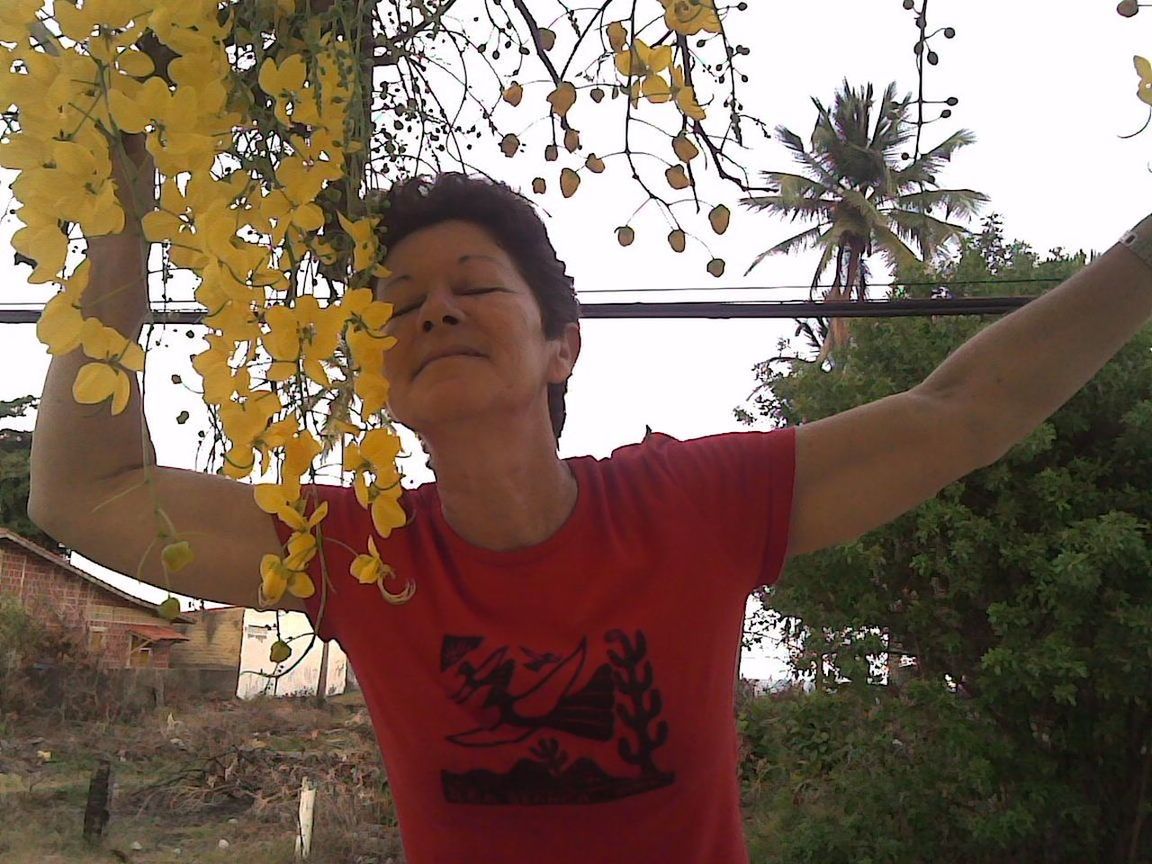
863	202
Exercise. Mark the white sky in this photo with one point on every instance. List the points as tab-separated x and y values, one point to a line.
1048	89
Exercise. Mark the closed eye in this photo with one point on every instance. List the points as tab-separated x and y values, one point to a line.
398	311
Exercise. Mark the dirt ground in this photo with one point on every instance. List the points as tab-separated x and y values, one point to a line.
208	782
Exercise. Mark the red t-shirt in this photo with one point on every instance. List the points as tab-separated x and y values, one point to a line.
571	702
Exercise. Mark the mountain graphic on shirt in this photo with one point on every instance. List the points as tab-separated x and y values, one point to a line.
528	702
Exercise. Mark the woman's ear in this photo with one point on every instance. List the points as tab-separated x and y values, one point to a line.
566	351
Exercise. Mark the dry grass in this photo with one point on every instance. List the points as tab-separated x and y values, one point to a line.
188	777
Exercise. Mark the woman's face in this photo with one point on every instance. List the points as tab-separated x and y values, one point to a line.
470	339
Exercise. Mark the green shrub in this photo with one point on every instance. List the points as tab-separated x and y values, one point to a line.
870	776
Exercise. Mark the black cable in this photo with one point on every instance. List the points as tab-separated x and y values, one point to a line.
702	309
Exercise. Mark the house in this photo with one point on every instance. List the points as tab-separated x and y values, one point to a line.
221	651
300	675
124	631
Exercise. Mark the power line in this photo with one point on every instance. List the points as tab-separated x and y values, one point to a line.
895	284
698	309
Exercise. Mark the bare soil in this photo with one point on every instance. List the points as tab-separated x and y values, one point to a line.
203	782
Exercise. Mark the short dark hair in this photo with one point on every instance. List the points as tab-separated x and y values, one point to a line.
420	202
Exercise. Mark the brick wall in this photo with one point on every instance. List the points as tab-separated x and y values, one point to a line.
213	640
54	593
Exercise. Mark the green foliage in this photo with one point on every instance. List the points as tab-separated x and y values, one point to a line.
1027	584
871	774
15	451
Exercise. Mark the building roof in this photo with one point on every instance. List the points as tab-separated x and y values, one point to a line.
65	564
156	633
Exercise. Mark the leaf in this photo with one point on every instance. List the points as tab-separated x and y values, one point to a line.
716	267
677	240
594	164
719	216
509	145
547	38
676	177
625	235
539	185
169	610
684	149
182	417
562	98
551	153
279	652
571	140
513	94
569	182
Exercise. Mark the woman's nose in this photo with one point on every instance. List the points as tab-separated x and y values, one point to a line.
440	309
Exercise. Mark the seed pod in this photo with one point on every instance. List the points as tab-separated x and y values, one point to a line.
684	149
625	235
539	185
513	94
677	240
716	267
719	216
676	177
594	163
569	182
509	144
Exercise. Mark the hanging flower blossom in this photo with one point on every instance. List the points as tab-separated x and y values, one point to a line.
689	17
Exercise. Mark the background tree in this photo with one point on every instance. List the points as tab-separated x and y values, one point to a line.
1025	586
866	194
15	449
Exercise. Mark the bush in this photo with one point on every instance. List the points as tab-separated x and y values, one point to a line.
870	776
46	670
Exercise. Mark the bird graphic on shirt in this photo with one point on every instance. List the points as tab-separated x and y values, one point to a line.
514	709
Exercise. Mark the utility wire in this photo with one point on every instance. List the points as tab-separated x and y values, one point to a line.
698	309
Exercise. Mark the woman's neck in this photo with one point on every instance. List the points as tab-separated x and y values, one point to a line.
502	491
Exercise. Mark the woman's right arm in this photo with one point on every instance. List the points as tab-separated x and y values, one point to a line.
96	486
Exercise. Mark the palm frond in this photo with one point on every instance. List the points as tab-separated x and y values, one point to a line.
893	250
791	207
964	203
804	240
925	168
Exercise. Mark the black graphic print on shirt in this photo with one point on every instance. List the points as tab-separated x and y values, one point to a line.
529	707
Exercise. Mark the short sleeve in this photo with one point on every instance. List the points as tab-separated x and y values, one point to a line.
740	487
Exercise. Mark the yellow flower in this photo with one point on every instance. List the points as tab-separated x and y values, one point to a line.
61	323
644	64
108	377
367	318
283	501
285	82
368	568
685	96
363	234
303	334
244	423
1144	70
278	575
15	15
689	17
42	240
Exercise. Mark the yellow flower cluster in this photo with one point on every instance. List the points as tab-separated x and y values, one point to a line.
246	225
643	66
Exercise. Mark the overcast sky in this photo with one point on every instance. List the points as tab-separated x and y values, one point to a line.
1048	89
